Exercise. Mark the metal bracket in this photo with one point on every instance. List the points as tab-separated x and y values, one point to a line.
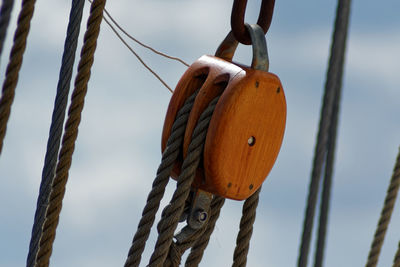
197	214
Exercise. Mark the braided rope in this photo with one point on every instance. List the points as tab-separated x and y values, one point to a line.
246	230
174	145
332	84
169	222
197	251
386	214
53	143
71	132
396	261
5	14
14	65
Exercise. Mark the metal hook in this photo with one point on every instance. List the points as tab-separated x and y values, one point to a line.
227	48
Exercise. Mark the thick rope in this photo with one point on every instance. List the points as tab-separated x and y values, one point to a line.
14	65
176	250
197	251
386	214
246	230
53	143
396	261
169	222
71	133
174	146
5	14
333	82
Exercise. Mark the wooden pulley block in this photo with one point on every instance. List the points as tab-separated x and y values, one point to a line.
247	127
209	75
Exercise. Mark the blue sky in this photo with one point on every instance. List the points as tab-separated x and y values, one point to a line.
118	147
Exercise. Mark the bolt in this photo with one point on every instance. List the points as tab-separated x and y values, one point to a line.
200	216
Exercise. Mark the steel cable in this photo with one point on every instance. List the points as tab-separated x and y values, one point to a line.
14	65
71	133
172	212
332	84
173	148
386	213
53	143
339	37
5	14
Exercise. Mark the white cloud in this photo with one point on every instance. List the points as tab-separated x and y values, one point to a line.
118	147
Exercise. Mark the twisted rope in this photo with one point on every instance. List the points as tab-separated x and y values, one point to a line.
14	65
174	145
396	261
5	14
173	211
197	251
246	230
176	250
386	214
71	133
53	143
334	77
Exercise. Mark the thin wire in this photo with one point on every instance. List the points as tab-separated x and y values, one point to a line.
142	44
137	56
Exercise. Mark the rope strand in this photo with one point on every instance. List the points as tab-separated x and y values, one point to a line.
71	132
246	230
386	214
14	65
172	212
176	249
5	14
53	143
396	261
174	146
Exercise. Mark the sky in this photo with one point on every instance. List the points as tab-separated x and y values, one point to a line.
118	147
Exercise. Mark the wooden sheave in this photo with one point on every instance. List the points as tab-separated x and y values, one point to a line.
245	132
